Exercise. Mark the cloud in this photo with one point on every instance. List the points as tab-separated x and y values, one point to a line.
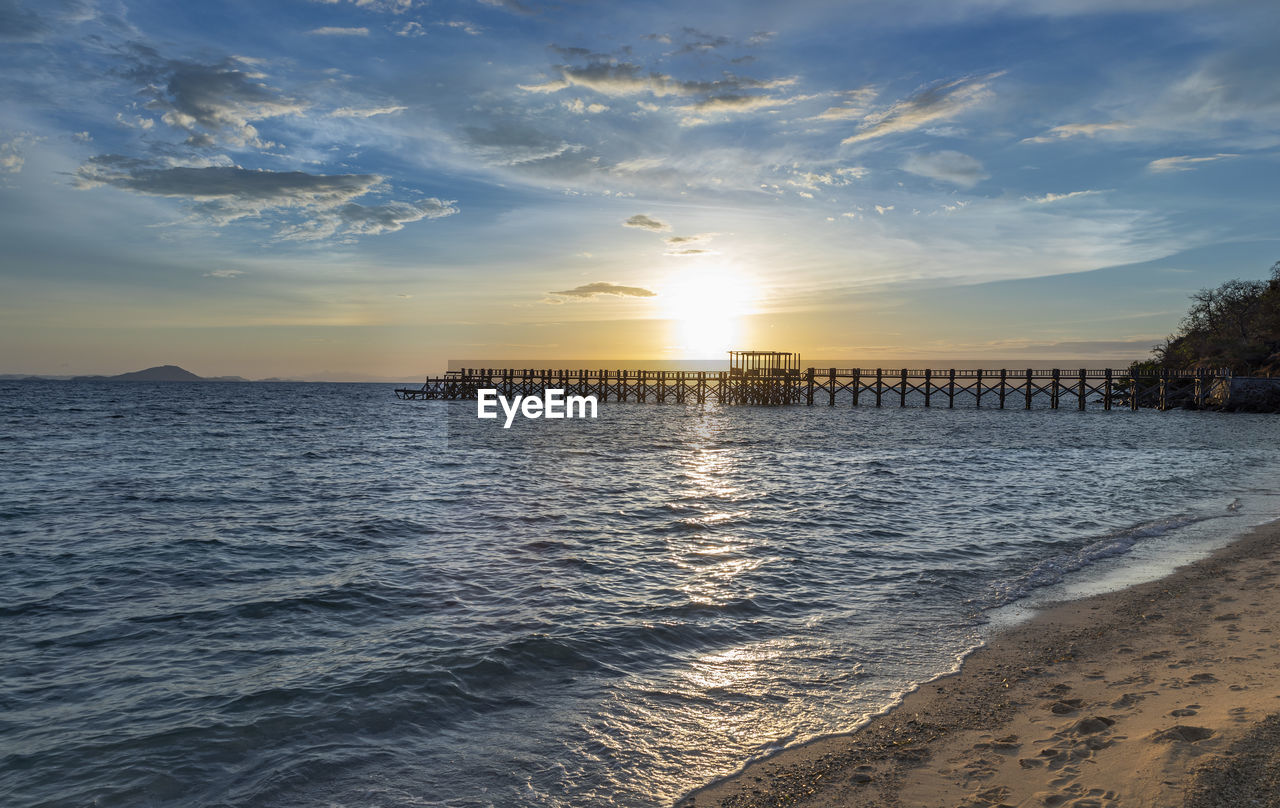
643	222
214	104
1071	130
324	203
332	30
224	273
883	209
354	112
461	25
854	106
700	112
1183	163
393	6
580	107
591	290
812	180
514	6
21	24
948	166
512	143
936	103
1052	197
623	79
684	246
11	157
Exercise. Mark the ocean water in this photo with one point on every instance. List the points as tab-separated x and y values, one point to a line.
318	595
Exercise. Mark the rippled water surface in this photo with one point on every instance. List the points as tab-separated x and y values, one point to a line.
317	595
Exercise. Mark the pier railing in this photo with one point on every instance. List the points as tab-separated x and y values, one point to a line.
1002	388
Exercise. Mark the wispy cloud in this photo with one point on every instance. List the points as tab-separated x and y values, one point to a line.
369	112
686	246
1052	197
948	166
854	106
224	273
1183	162
624	79
936	103
333	30
1073	130
589	291
324	203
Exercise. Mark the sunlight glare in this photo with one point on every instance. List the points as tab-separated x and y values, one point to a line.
706	306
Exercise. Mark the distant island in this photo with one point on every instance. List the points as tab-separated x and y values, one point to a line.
160	373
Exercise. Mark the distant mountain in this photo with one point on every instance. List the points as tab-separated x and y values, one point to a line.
160	373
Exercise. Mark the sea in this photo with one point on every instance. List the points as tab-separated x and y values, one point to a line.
319	595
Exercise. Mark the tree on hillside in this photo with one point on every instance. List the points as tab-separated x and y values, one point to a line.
1235	325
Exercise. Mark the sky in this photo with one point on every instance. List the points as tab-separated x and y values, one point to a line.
370	189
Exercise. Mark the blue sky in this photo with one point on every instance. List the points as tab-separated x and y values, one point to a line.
368	189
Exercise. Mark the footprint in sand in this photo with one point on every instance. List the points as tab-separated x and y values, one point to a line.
1182	733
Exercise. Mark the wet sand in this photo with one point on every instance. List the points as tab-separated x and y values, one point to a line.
1163	694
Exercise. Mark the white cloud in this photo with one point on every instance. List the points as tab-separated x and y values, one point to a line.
623	79
854	106
882	209
701	112
1072	130
462	25
1183	162
333	30
948	166
224	273
1052	197
581	107
138	121
936	103
11	157
354	112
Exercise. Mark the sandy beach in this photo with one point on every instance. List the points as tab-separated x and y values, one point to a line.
1162	694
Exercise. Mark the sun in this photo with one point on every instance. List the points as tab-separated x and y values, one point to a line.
706	306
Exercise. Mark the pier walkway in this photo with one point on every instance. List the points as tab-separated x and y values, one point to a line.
879	387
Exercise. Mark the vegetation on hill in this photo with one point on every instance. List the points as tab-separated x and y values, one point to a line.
1236	326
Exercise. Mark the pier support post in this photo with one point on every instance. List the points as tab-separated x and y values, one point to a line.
902	390
1080	390
831	390
951	389
1055	389
928	385
879	384
857	382
1106	394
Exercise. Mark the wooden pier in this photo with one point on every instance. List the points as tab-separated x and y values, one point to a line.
787	384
